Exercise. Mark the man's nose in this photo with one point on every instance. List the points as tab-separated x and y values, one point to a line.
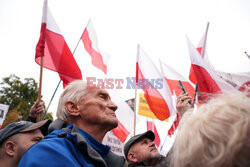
112	105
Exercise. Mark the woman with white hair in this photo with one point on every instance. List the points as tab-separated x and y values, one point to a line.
217	135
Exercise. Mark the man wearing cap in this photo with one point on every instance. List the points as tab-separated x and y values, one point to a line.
17	138
140	151
89	114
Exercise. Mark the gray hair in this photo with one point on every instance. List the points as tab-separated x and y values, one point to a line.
218	134
74	91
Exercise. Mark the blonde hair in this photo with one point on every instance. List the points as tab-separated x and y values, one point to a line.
74	91
217	135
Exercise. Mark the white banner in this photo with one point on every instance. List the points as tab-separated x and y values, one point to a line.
3	112
116	145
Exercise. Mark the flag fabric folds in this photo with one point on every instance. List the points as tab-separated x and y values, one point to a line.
208	81
54	49
174	125
172	77
156	91
201	48
157	137
89	39
125	116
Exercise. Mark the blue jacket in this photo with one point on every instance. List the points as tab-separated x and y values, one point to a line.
70	147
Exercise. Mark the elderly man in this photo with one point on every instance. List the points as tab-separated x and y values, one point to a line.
17	138
140	150
90	114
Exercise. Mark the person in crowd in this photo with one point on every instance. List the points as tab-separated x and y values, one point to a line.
217	134
140	150
16	138
36	109
90	114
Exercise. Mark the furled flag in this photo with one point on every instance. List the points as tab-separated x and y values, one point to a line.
156	91
89	39
125	116
172	77
208	81
3	112
174	125
157	137
54	49
240	81
201	48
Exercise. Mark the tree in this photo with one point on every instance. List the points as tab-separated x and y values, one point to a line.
20	96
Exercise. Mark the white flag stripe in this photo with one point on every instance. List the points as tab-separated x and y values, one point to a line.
197	60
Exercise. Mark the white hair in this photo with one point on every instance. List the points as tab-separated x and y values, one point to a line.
217	135
74	91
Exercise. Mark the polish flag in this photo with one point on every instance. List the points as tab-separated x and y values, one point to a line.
124	114
240	81
172	77
208	81
201	48
54	49
156	91
174	125
89	39
157	137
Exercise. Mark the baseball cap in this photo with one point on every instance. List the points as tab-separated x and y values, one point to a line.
149	134
23	126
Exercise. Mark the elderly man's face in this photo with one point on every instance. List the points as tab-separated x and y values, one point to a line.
143	150
98	109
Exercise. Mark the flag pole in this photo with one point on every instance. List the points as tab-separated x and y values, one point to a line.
205	41
135	108
40	87
195	92
47	108
136	77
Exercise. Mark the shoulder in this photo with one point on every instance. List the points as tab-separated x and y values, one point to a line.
50	152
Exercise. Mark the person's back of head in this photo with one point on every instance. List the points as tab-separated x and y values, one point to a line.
217	135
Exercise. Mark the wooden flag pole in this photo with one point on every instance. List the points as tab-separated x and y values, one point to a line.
135	108
38	118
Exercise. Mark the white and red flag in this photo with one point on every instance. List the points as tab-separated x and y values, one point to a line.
201	48
174	126
240	81
172	78
124	114
89	40
156	91
54	49
151	126
209	82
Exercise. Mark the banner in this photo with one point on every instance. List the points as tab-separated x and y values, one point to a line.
143	108
3	112
116	145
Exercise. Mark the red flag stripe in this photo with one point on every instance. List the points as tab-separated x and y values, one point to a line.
157	137
121	132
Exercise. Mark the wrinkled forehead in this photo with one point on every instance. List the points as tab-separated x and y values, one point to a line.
96	90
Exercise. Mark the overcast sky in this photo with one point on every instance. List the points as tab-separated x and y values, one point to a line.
159	26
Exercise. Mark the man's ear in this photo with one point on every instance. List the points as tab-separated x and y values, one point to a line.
10	148
72	108
132	157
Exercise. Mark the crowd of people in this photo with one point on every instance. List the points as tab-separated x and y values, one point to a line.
216	134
